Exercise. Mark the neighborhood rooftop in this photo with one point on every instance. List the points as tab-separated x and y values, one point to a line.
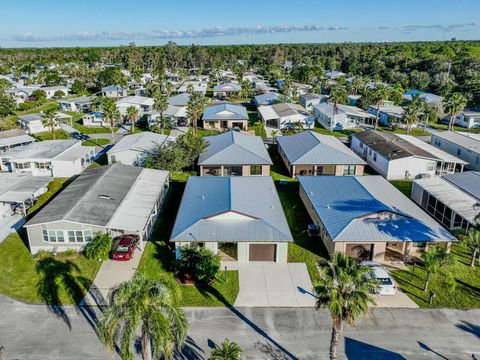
250	204
225	112
309	147
91	198
142	141
14	136
467	140
347	214
234	148
48	149
17	187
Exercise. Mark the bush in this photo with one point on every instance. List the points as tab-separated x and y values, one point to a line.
99	247
197	263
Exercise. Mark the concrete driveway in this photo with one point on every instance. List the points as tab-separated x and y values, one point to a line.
268	284
399	300
111	273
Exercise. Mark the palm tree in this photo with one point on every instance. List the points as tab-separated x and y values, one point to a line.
228	351
151	306
195	107
472	242
160	104
50	120
345	291
111	113
119	80
453	105
132	116
410	116
435	260
246	89
337	96
379	96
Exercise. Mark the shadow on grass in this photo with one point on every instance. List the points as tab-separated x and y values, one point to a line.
57	278
473	290
278	165
209	290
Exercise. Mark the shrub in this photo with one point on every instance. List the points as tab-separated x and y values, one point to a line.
99	247
59	94
199	263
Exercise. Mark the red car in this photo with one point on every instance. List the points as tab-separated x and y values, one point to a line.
124	248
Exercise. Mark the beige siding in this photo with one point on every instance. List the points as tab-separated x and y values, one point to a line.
245	170
359	170
339	170
265	170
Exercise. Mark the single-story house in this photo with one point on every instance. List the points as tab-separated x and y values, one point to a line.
346	117
113	91
308	100
297	89
225	116
33	123
387	114
141	103
179	99
310	153
453	200
132	149
95	119
433	100
79	105
468	119
91	205
367	217
465	146
14	138
266	99
333	75
226	90
18	192
51	90
56	158
199	86
252	77
397	157
262	87
285	116
353	100
234	154
225	215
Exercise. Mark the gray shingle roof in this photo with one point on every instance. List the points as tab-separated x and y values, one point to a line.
48	149
225	112
309	147
179	100
235	209
234	148
391	146
92	198
17	187
369	209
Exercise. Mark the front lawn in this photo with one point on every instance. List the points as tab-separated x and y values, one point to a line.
466	293
158	256
405	186
47	135
416	131
443	126
96	142
304	249
337	133
55	280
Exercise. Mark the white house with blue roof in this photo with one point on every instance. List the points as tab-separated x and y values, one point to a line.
241	218
367	217
225	116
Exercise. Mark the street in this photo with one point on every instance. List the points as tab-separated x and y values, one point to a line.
37	332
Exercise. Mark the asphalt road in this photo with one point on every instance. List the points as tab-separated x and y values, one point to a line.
37	332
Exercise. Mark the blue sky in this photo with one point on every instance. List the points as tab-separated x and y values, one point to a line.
34	23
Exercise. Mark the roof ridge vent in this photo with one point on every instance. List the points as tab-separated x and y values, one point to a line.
105	197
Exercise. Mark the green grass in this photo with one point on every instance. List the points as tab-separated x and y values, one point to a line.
304	249
96	142
55	186
55	280
78	125
466	293
442	126
100	161
405	186
278	171
47	135
158	256
337	133
417	131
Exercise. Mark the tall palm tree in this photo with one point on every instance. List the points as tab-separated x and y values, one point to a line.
453	105
379	96
345	291
410	116
472	242
151	306
119	81
111	113
435	260
132	116
50	121
229	350
337	96
160	104
195	107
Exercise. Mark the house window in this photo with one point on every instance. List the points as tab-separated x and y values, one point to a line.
361	145
22	166
52	236
71	236
374	157
459	151
45	235
430	166
88	235
348	170
79	235
60	236
256	170
42	165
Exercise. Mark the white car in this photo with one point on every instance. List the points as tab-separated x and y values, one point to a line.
378	272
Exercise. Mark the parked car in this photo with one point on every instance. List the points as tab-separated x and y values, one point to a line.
385	281
123	249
